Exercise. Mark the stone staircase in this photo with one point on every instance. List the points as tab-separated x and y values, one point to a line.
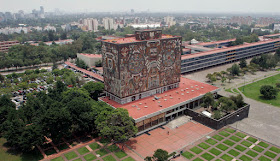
179	121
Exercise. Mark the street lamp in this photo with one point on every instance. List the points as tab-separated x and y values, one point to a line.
244	83
237	120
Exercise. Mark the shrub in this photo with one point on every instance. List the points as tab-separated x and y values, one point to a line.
268	91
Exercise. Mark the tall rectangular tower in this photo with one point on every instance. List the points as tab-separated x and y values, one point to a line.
140	66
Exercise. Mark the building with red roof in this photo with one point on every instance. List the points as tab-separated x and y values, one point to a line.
142	75
89	59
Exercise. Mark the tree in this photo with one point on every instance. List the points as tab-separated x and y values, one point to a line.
116	125
238	100
226	104
80	63
208	100
268	91
223	79
208	76
98	63
7	107
217	114
94	89
243	63
235	70
56	122
223	73
160	155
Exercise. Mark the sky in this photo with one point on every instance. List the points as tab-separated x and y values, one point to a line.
205	6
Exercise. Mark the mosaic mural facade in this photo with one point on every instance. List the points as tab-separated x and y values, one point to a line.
133	68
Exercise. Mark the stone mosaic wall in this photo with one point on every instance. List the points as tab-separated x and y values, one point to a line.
141	66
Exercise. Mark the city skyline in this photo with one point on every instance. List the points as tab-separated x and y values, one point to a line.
204	6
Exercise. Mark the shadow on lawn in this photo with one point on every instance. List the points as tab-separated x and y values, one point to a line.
33	155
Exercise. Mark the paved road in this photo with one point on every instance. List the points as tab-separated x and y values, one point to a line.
263	120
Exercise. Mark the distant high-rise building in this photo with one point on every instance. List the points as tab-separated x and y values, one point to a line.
276	27
91	24
108	23
42	11
169	21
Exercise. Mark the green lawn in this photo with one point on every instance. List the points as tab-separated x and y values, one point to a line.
222	147
215	151
234	138
16	156
253	90
230	130
113	147
240	135
94	146
120	154
265	145
196	150
188	155
223	133
226	157
211	141
109	158
207	156
270	154
233	152
218	137
246	143
58	159
197	159
252	154
245	158
240	148
90	157
71	155
263	158
83	150
128	159
78	159
230	143
102	152
258	149
203	146
253	140
276	150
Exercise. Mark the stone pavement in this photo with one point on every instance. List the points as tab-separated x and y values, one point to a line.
263	120
171	140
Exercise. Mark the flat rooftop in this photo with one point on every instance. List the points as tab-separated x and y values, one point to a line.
91	55
215	42
218	50
94	75
133	39
272	35
187	90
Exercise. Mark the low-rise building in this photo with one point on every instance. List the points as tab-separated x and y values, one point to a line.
6	45
89	59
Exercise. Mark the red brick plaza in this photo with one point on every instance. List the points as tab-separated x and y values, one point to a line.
165	138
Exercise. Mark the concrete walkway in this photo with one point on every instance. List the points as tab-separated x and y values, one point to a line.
263	120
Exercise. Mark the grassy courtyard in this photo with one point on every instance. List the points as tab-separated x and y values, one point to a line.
9	155
105	153
253	90
229	144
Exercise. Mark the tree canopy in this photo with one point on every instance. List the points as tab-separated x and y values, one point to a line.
116	125
268	91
